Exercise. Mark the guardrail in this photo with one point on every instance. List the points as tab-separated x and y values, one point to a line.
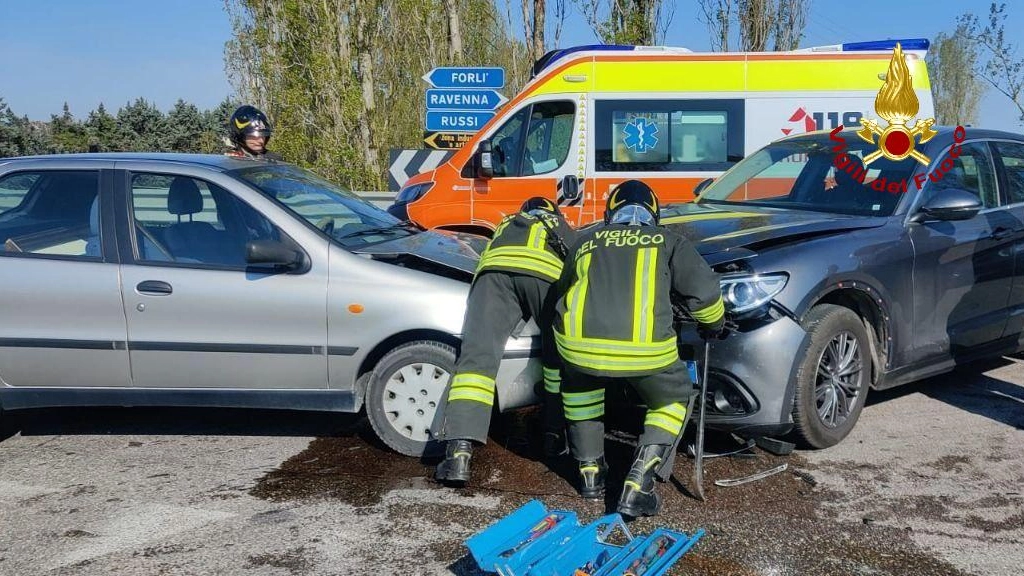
11	198
377	198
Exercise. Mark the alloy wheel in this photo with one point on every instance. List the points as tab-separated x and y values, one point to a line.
839	379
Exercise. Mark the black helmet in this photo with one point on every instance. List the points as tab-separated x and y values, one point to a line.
538	203
632	202
248	121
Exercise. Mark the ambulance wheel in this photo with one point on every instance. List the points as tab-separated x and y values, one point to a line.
833	376
404	391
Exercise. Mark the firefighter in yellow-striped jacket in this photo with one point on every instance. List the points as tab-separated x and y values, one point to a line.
614	321
513	282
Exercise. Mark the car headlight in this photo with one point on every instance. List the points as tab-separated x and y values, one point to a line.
744	293
414	192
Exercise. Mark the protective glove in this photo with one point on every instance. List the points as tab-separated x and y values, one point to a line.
719	330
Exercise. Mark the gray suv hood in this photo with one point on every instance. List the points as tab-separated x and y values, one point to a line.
723	232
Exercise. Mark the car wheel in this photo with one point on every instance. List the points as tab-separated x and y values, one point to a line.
404	392
833	376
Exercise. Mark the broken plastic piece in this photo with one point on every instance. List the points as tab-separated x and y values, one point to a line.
752	477
775	446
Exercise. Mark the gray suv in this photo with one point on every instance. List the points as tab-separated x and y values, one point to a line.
847	276
188	280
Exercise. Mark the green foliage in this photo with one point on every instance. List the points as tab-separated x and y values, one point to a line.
137	127
66	134
18	136
956	87
101	129
341	79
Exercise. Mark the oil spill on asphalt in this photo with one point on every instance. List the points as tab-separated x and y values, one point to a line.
771	526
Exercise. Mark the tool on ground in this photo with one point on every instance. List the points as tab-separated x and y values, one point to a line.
535	541
698	448
758	476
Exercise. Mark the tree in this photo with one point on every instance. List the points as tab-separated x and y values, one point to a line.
760	24
956	88
214	138
1000	65
184	127
19	136
636	22
101	129
717	15
790	20
67	134
141	127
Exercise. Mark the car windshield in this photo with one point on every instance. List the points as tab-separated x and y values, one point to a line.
346	218
809	174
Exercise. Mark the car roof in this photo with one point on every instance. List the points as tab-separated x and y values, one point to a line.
220	161
942	131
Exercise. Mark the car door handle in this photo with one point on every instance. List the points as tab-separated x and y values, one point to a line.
1001	233
155	287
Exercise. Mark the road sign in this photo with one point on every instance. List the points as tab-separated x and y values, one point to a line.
466	77
404	164
456	121
463	99
446	140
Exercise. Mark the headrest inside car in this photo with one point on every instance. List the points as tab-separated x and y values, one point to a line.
184	197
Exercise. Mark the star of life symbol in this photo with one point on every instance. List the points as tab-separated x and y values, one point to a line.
640	135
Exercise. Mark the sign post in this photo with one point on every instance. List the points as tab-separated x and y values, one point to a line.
460	102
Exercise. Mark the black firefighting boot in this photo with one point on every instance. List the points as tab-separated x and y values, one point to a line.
592	474
638	495
454	469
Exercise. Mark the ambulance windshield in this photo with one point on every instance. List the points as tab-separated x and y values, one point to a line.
809	174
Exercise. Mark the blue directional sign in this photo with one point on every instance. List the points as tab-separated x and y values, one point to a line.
466	77
463	99
456	120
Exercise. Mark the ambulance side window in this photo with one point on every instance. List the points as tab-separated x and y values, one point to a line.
549	136
534	140
507	144
668	135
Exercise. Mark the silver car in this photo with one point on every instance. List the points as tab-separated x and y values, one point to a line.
190	280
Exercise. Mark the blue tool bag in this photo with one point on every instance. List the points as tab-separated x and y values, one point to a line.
535	541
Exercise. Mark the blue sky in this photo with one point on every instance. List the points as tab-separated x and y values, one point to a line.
113	51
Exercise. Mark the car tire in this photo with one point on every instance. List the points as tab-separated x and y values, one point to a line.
404	391
833	376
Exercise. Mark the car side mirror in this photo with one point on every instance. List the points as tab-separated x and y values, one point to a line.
701	186
949	204
274	253
484	160
571	187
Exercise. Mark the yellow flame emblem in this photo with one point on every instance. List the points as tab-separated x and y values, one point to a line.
897	103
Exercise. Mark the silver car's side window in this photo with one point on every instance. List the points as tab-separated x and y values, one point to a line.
190	221
51	213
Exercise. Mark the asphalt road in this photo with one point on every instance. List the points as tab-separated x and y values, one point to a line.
930	482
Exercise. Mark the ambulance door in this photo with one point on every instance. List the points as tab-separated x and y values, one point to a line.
532	152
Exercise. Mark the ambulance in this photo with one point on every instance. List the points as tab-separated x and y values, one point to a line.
594	116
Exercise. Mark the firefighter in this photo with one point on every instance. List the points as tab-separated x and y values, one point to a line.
614	323
514	281
249	132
